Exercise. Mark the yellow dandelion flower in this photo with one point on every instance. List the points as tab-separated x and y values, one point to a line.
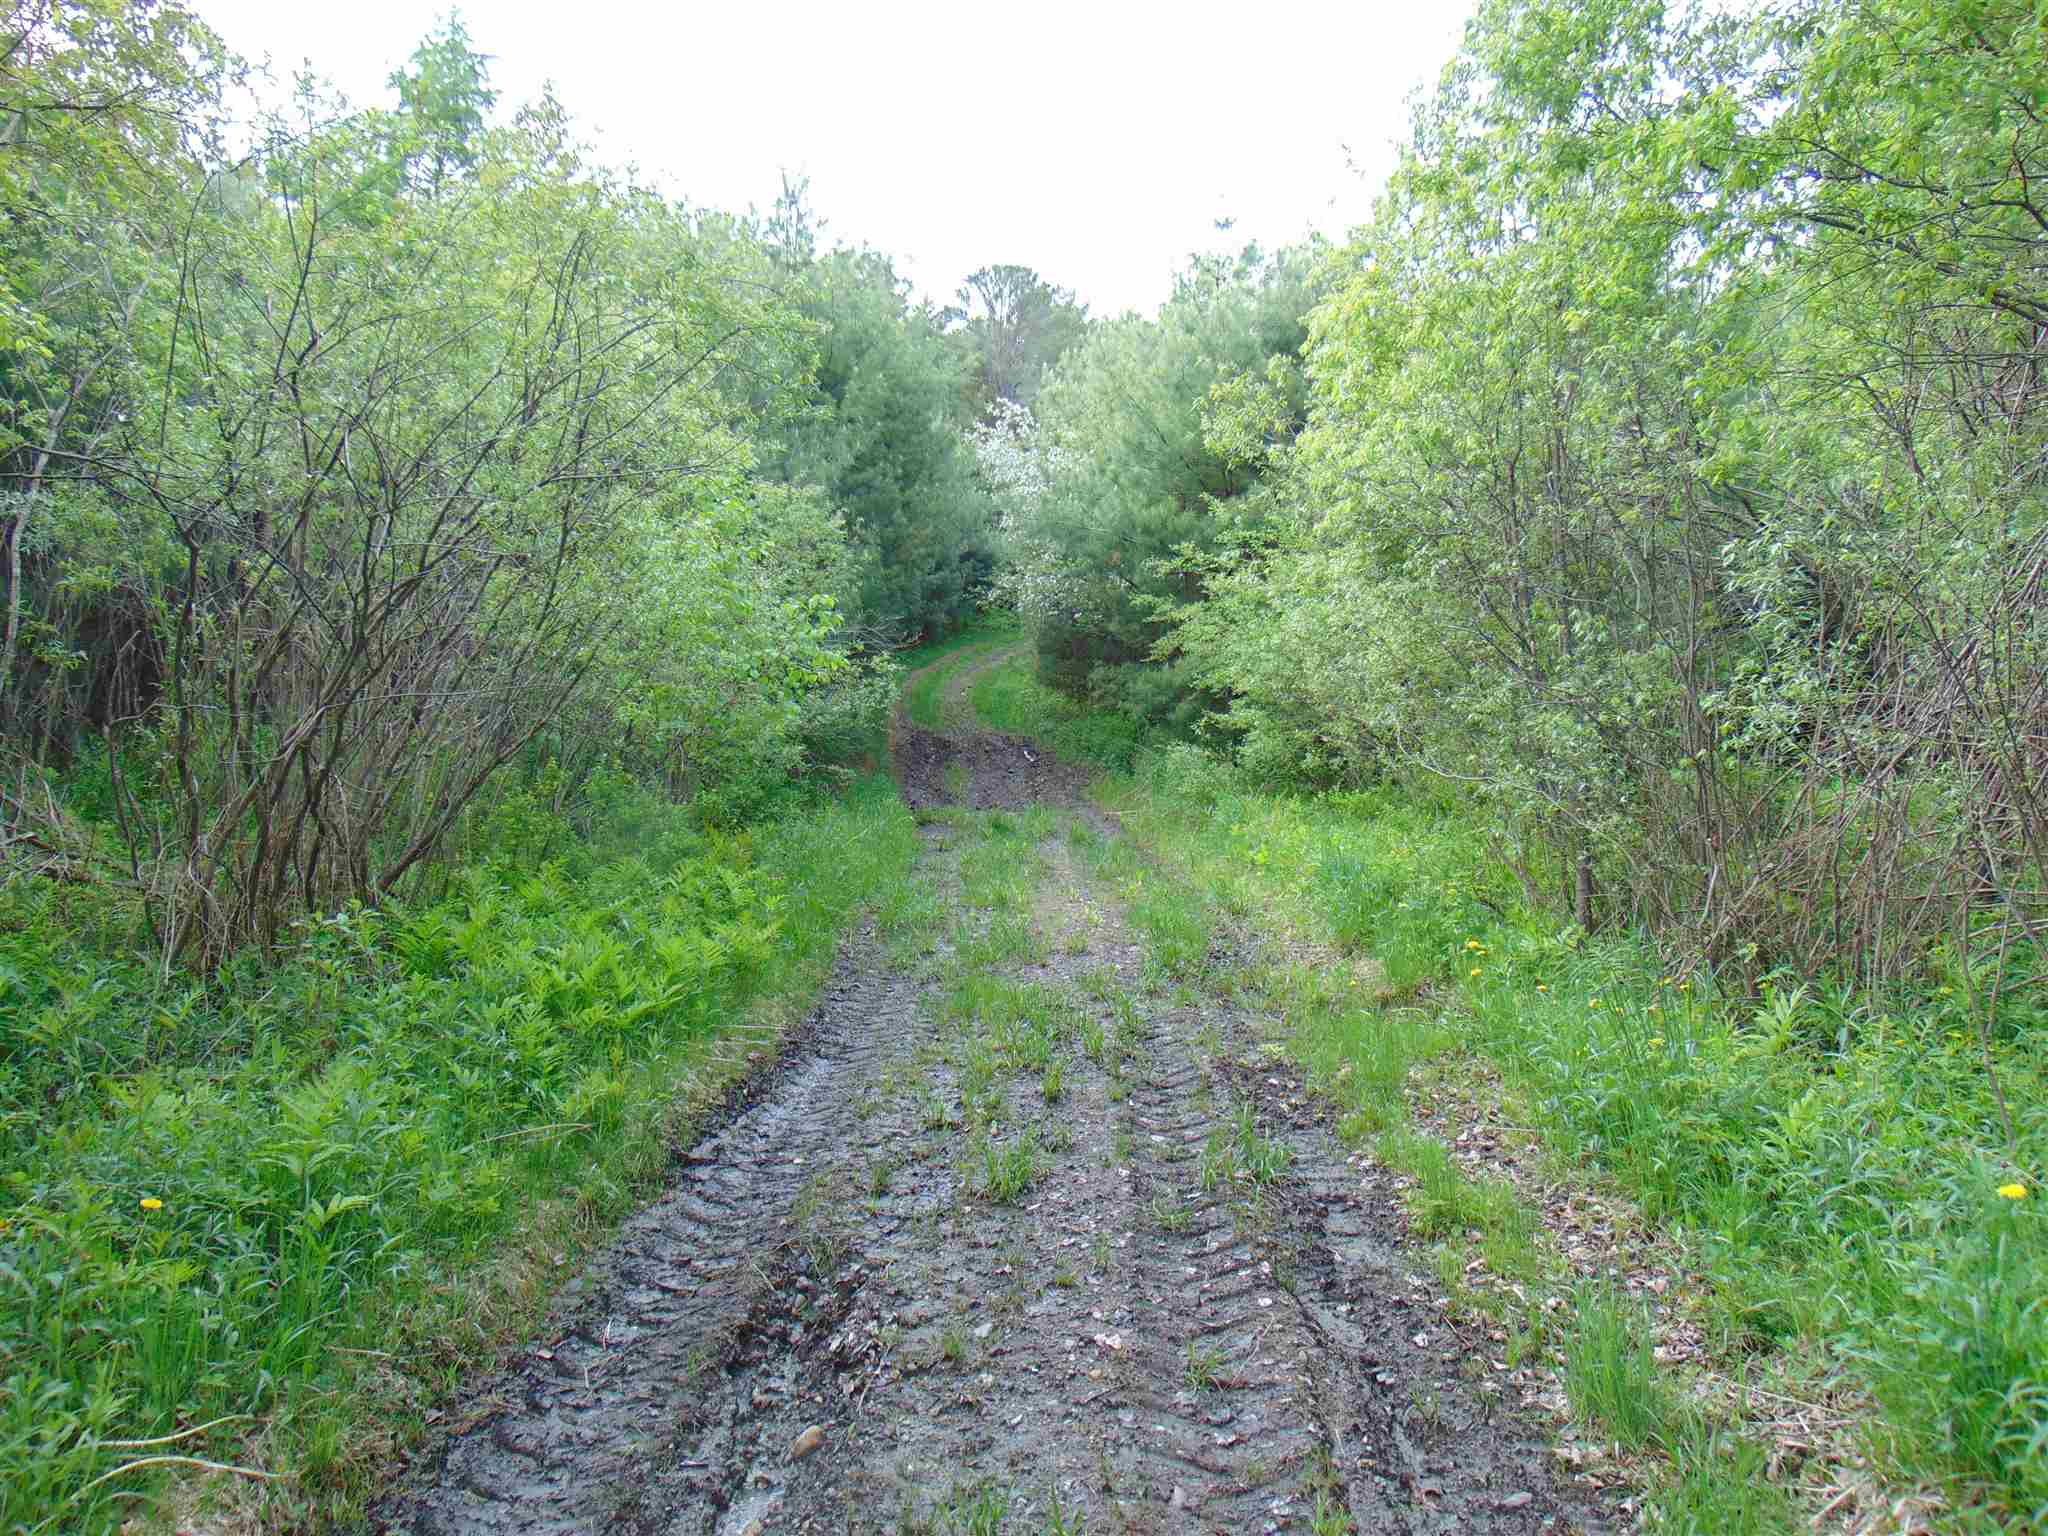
1592	1002
1541	988
1475	970
1655	1041
2012	1191
151	1203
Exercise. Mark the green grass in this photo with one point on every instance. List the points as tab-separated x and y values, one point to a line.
222	1201
937	664
1010	1169
979	1510
1240	1152
1010	698
1611	1376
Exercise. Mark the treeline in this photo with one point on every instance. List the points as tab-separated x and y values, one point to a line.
339	473
1663	464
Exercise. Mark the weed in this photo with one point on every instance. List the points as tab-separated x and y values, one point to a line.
1609	1373
1204	1364
1525	1339
1168	1213
979	1510
1330	1517
1052	1083
1094	1042
817	1215
1010	1170
933	1113
1059	1520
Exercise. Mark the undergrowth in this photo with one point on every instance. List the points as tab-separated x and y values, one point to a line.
276	1202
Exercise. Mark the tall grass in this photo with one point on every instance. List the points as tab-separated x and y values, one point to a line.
218	1202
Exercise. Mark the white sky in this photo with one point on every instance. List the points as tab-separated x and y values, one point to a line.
1095	143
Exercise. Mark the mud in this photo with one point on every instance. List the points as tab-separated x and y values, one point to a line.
1200	1315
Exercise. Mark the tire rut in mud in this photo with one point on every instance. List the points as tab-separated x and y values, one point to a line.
829	1324
555	1441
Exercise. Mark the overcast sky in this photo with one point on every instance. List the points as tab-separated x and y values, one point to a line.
1096	143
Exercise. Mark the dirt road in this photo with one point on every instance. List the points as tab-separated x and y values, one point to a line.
1020	1232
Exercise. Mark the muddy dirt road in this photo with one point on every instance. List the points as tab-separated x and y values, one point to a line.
1018	1233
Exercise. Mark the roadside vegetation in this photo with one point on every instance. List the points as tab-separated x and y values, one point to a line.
449	597
1831	1165
281	1208
1573	653
1603	599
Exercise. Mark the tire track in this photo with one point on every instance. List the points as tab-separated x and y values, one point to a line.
1193	1317
553	1442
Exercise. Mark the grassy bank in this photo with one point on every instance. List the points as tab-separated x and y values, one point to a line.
938	663
264	1220
1009	698
1834	1167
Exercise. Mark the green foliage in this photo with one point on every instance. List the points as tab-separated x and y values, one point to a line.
339	1140
1012	325
1010	1169
1134	481
1610	1374
882	440
1010	698
1966	1382
333	480
1654	462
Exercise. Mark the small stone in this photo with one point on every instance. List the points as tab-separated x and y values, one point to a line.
1179	1499
1521	1499
807	1442
984	1330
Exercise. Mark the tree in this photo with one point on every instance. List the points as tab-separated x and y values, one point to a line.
883	443
444	99
104	110
1013	326
1136	481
